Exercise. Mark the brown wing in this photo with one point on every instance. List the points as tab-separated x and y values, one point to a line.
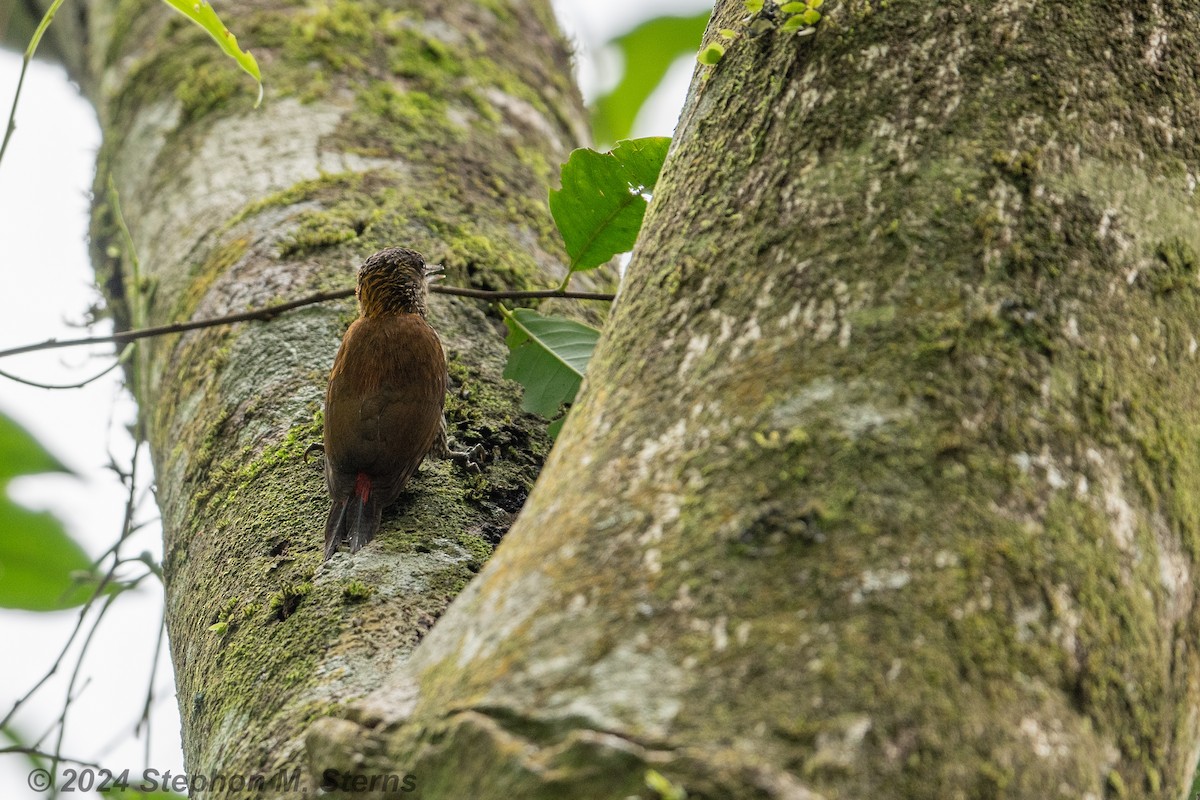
384	405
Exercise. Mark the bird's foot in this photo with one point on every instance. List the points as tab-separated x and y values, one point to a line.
315	447
470	460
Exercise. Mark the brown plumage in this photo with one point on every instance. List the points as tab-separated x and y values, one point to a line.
383	408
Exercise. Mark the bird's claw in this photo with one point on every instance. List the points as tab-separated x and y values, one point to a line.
470	460
315	447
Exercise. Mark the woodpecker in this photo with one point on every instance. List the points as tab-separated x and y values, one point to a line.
387	390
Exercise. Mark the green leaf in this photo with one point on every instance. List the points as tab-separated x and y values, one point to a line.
648	51
793	8
793	24
40	565
21	454
548	356
600	206
754	6
815	3
812	17
711	56
201	13
663	787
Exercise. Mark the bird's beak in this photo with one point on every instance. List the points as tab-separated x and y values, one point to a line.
434	272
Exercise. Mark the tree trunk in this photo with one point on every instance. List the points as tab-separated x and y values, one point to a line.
883	482
436	126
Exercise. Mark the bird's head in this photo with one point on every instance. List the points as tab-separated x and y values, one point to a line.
395	281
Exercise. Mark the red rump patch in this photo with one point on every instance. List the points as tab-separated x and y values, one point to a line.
362	487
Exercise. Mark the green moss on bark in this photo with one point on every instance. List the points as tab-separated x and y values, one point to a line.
884	466
267	636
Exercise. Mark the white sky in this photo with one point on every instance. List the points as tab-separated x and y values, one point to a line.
46	287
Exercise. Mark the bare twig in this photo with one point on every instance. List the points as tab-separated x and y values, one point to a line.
30	49
78	385
102	589
144	721
122	337
83	612
270	312
532	294
33	751
121	358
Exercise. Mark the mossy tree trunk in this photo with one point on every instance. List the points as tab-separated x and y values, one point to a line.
884	479
432	125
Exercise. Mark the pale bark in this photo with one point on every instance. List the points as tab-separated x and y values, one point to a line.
435	126
883	482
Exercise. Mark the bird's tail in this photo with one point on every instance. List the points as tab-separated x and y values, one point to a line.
355	520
